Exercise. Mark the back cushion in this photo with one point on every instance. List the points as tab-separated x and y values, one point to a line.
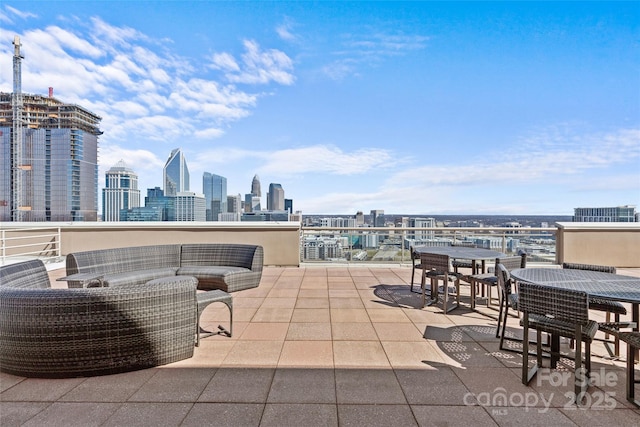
222	254
122	260
28	274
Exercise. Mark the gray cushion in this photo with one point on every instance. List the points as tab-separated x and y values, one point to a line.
137	277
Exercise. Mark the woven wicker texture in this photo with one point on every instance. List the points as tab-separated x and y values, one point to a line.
48	332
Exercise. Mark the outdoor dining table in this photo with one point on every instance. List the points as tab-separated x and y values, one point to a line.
614	287
475	255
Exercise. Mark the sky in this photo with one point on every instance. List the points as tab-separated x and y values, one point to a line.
416	108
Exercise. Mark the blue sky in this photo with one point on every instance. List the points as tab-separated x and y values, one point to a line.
414	108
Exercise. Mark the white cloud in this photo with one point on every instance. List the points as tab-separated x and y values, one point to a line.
258	66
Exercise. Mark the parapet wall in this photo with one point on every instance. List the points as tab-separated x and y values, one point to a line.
602	243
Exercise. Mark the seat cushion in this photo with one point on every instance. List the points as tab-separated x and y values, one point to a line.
607	305
137	277
214	277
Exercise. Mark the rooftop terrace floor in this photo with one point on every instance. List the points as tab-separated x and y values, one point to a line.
331	346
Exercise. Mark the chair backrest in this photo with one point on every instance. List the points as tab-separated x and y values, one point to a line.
414	255
512	262
504	279
434	262
465	244
590	267
559	304
26	274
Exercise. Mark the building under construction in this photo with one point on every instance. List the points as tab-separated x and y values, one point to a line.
48	157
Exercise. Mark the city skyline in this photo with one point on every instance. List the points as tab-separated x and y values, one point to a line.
416	107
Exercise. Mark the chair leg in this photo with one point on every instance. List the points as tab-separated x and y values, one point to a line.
527	374
631	380
500	317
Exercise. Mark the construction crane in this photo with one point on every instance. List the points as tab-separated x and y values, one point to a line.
16	136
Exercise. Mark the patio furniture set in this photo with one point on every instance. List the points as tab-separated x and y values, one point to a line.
555	302
124	309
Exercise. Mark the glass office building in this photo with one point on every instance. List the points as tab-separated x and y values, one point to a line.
214	188
49	170
176	174
120	192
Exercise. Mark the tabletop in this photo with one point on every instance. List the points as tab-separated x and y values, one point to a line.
615	287
461	252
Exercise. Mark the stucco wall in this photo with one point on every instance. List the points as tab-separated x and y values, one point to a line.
615	244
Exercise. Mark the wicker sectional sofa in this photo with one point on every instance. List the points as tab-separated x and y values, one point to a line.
228	267
56	333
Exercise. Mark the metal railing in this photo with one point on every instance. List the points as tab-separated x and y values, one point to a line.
392	245
20	244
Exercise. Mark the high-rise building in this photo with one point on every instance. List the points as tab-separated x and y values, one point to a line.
359	219
175	174
157	200
288	205
608	214
377	218
120	192
234	204
255	186
48	161
190	206
214	188
275	197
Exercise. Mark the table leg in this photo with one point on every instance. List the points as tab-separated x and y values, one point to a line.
635	317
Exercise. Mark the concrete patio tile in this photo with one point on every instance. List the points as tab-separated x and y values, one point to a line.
339	315
385	315
522	416
314	283
376	415
313	293
440	386
292	414
40	390
72	414
445	333
240	385
462	416
109	388
397	332
603	416
240	314
258	292
427	316
343	293
279	302
174	385
288	283
254	353
17	413
353	332
368	386
312	271
271	314
247	302
359	354
344	282
311	315
466	354
149	414
312	303
7	381
339	302
265	331
309	331
212	351
283	293
224	415
317	354
417	355
295	385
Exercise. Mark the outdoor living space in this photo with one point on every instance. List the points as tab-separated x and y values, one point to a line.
333	345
